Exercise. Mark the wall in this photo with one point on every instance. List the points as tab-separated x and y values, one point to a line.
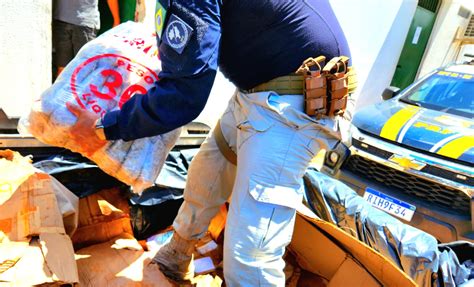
441	50
25	53
376	31
467	49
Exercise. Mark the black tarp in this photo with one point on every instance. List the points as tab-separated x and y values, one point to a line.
414	251
156	208
150	212
79	175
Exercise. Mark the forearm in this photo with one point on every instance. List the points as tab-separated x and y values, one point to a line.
189	66
140	11
114	9
165	107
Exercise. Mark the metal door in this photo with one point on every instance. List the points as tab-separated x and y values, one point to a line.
415	43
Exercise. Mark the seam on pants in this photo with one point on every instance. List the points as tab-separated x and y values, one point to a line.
210	187
268	228
217	174
286	156
261	270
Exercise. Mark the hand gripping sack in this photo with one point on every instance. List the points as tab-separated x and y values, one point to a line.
104	74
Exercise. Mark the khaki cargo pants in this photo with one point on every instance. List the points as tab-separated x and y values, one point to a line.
274	142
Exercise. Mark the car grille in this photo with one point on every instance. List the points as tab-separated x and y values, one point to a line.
454	200
431	169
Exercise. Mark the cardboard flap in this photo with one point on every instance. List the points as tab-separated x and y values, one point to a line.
351	271
380	267
34	247
118	263
46	260
31	263
314	251
59	256
14	170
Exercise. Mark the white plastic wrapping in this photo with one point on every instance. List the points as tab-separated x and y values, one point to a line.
103	75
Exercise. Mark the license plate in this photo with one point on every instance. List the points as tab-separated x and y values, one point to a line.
389	204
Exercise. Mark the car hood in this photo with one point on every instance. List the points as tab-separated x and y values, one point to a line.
423	129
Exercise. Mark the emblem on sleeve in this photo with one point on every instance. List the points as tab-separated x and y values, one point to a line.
159	22
177	34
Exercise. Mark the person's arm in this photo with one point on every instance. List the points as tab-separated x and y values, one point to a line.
114	9
180	94
140	11
189	53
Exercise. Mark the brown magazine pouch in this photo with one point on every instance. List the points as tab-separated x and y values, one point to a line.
315	86
335	72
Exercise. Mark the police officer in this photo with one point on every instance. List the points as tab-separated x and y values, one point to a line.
257	45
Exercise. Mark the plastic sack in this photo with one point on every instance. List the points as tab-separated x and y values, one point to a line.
415	252
156	208
148	217
105	73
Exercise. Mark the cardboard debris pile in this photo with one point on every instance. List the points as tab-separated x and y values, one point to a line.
39	216
50	236
36	215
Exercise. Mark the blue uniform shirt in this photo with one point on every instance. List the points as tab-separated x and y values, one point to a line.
251	41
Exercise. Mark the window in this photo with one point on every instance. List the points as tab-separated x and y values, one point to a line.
445	91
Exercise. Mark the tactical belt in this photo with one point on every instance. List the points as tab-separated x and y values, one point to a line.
292	84
223	146
325	87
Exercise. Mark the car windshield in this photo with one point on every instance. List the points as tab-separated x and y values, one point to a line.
444	91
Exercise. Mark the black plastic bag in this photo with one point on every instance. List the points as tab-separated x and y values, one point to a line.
156	208
154	211
415	252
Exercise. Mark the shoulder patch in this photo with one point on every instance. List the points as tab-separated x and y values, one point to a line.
159	18
177	34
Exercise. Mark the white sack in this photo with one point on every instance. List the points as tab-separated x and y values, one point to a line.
105	72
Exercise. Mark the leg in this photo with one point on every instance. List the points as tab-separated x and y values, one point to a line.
208	186
62	41
80	36
271	162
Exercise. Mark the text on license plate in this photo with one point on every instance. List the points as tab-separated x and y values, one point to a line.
389	204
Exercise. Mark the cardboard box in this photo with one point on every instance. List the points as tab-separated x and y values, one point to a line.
118	262
34	245
323	249
102	217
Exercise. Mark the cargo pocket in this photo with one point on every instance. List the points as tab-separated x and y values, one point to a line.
282	201
264	190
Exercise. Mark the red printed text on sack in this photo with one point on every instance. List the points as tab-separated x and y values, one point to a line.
106	81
